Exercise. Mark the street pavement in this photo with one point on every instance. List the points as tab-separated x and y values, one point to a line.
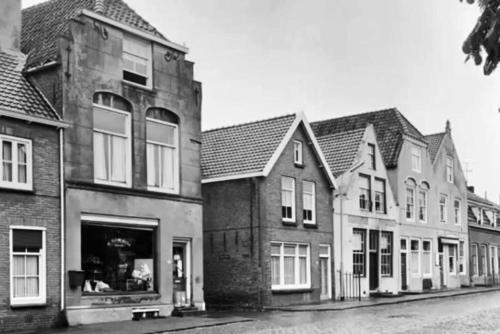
476	313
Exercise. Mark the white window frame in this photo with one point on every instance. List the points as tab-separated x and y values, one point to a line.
313	194
149	60
383	204
475	269
429	274
29	301
461	258
449	169
175	189
453	248
419	253
426	205
372	158
128	146
282	285
413	189
329	266
444	219
456	212
416	159
15	184
298	157
283	188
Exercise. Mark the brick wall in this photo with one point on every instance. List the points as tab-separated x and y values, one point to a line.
38	208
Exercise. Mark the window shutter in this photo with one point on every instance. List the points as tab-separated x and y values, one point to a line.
27	239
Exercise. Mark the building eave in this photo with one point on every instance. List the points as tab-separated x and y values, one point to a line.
28	118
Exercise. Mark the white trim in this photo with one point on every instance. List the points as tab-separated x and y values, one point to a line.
329	269
298	148
419	261
42	267
430	257
414	153
187	242
118	220
15	184
134	31
8	112
232	177
313	209
63	213
282	285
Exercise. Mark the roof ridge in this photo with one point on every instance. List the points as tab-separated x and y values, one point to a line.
358	114
249	123
346	132
435	134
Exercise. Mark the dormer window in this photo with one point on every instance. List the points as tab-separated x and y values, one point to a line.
416	160
297	152
137	64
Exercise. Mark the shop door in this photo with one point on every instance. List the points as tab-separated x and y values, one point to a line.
181	273
373	260
325	270
404	265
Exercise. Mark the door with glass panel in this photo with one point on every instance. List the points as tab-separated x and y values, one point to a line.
325	272
374	259
181	254
404	264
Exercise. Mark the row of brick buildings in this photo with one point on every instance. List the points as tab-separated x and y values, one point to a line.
112	199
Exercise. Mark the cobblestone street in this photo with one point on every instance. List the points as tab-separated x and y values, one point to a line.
478	313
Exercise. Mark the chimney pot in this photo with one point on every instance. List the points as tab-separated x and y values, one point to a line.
448	126
470	188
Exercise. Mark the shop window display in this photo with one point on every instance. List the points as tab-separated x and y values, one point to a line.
117	259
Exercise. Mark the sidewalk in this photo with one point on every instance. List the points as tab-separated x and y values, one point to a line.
376	301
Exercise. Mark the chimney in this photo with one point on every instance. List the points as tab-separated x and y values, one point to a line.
448	127
10	25
470	188
99	6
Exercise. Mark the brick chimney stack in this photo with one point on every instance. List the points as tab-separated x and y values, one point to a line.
10	25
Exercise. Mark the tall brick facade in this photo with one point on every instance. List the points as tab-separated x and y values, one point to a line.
37	208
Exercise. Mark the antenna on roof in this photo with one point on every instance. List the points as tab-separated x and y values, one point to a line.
99	6
467	171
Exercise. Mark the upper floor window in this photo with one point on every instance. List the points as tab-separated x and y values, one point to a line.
456	211
112	148
16	163
309	202
297	152
449	169
162	150
364	192
137	64
371	156
380	205
288	199
410	199
416	160
443	201
422	206
27	266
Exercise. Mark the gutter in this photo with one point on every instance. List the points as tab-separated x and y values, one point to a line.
62	204
8	112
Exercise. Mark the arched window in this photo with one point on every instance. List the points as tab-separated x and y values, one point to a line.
410	199
162	142
112	148
422	202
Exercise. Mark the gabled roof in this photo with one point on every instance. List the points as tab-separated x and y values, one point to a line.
251	149
18	97
340	149
390	126
478	199
434	142
42	24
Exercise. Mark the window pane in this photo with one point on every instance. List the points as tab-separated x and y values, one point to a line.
19	284
18	265
302	270
119	160
287	183
426	245
7	160
168	168
403	244
275	270
152	166
289	250
161	133
32	265
275	249
32	287
110	121
289	270
414	245
26	239
100	156
302	250
324	250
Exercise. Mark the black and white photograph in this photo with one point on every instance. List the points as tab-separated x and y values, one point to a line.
249	166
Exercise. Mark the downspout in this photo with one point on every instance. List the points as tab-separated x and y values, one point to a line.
342	297
62	204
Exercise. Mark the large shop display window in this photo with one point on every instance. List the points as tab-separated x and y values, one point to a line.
117	259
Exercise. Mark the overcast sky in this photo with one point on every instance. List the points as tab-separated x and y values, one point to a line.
262	58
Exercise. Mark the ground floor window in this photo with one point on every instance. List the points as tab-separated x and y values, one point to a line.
117	258
426	258
28	268
386	254
452	259
290	266
359	252
482	261
461	257
475	264
415	256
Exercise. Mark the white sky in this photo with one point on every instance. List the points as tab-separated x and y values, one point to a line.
263	58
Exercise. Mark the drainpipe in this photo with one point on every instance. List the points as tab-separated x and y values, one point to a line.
62	204
342	297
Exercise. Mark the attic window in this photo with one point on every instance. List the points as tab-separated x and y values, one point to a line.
297	152
137	64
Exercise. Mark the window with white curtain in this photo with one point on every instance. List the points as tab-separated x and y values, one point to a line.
364	192
410	203
456	211
15	163
162	155
309	202
27	266
288	199
137	64
112	148
290	266
422	206
380	195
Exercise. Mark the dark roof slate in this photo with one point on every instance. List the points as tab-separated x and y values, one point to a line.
473	197
390	126
434	142
242	149
340	149
42	24
17	94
